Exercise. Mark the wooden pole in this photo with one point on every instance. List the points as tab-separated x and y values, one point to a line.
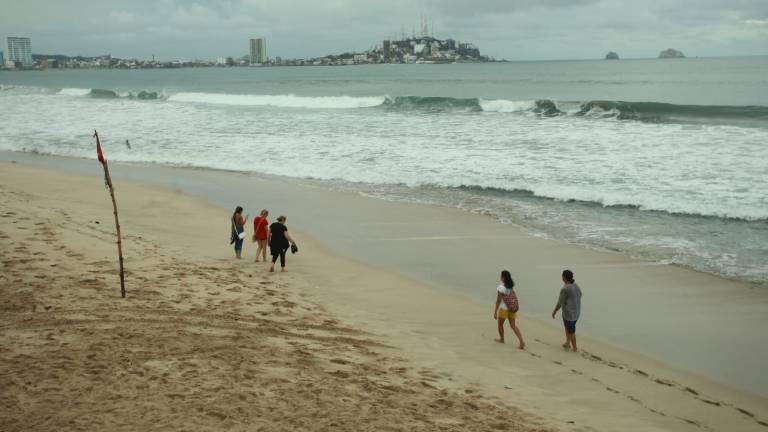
108	182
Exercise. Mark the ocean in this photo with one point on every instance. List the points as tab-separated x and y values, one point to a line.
664	160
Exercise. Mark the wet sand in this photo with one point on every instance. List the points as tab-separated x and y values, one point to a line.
207	342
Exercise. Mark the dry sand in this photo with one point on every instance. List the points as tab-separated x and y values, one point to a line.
205	342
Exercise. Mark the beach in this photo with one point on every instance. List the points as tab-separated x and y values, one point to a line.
368	329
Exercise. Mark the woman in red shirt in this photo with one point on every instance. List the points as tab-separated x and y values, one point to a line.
260	234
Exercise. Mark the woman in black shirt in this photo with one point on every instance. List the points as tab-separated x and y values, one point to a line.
279	241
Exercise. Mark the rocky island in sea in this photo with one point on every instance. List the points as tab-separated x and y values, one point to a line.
671	53
611	56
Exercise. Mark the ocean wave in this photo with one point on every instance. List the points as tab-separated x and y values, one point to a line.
648	112
103	94
284	101
431	104
666	112
74	91
110	94
590	198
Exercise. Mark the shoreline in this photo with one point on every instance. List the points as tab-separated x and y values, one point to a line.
677	331
532	229
443	333
384	234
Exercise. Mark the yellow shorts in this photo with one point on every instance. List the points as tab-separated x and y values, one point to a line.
506	314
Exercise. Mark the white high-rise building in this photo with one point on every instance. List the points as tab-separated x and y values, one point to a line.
19	50
258	51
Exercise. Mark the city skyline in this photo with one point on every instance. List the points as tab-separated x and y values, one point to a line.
515	30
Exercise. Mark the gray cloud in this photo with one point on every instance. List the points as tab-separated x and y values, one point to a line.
513	29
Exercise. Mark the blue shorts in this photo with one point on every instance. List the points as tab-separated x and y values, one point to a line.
570	326
238	244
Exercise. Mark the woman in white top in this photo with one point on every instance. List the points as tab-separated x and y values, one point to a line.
506	307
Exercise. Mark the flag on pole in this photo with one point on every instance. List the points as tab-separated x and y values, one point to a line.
98	147
108	183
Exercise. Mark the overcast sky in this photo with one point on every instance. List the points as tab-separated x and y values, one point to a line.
511	29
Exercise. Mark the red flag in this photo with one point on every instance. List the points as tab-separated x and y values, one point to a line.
98	147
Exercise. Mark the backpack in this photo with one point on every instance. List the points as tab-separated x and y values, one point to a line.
511	301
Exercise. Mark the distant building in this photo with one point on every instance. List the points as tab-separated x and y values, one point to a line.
387	49
2	60
19	51
46	63
258	51
469	50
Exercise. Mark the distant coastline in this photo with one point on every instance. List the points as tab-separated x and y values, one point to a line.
178	64
424	49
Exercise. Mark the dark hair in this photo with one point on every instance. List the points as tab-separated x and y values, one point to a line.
568	275
238	209
506	278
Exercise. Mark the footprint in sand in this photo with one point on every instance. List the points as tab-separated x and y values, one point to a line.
745	412
689	421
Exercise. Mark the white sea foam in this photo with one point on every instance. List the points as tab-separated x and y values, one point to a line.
664	167
285	101
507	106
74	91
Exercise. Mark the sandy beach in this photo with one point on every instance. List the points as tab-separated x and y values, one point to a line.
340	342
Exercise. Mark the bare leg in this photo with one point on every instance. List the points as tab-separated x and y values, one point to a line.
258	250
517	333
263	249
500	322
567	343
573	342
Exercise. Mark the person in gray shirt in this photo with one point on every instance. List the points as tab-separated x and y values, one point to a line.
570	302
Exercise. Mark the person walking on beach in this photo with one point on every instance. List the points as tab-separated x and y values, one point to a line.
570	302
238	230
506	308
260	234
279	242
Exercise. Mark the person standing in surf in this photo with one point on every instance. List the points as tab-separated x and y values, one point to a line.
238	230
506	308
570	302
279	240
260	234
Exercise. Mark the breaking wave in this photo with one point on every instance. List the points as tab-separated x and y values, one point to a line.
285	101
109	94
671	207
649	112
672	113
74	91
